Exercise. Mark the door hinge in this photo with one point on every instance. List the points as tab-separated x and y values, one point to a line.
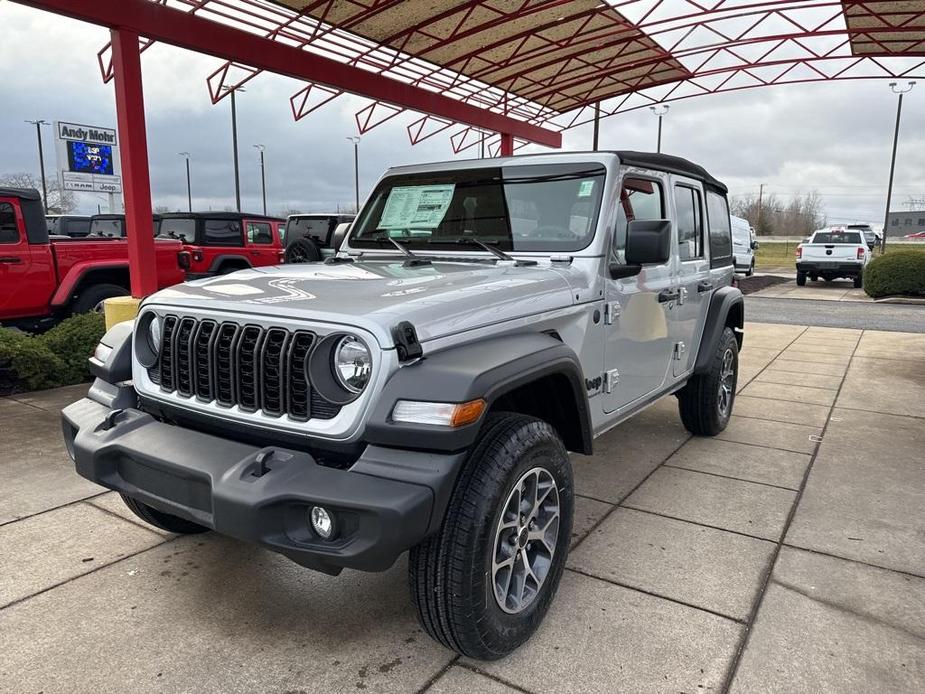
611	379
679	350
611	312
682	295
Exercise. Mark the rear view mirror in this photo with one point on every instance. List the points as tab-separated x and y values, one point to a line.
648	241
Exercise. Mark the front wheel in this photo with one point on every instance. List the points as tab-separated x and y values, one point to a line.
751	269
801	279
483	583
159	519
92	298
705	403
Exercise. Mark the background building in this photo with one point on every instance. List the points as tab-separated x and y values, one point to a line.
903	223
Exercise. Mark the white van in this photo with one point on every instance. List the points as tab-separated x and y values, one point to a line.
743	245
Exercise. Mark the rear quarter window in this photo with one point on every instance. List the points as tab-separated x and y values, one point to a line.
720	230
9	232
223	232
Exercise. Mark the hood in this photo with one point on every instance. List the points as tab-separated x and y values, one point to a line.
441	299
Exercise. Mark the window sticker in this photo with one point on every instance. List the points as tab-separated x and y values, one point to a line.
585	189
416	207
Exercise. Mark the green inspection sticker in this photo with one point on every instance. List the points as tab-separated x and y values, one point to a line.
584	190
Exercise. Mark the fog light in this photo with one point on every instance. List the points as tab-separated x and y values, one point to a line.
322	522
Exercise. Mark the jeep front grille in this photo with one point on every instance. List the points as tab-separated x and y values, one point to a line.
252	367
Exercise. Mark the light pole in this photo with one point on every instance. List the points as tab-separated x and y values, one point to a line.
356	170
263	176
38	133
889	188
189	189
659	111
234	144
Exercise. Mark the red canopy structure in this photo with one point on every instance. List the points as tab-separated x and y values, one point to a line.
516	71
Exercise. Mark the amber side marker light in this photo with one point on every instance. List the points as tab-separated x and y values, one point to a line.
447	414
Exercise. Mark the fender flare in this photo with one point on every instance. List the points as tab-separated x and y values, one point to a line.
727	308
234	257
486	369
77	272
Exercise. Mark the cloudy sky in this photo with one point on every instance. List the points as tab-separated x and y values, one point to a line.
833	138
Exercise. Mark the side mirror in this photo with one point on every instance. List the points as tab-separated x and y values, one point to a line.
754	245
648	241
619	271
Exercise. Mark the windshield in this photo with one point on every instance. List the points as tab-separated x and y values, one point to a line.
851	237
551	208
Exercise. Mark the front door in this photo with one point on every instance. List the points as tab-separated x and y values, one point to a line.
27	273
260	246
693	284
638	313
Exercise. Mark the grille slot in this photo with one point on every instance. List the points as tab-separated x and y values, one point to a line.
251	367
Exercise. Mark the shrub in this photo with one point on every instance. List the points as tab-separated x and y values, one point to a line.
900	272
55	358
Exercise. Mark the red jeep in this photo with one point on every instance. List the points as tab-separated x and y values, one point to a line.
222	242
43	279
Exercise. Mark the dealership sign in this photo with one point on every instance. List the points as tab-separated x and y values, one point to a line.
88	158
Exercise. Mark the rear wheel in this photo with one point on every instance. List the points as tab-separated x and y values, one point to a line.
705	403
751	269
92	298
303	251
859	281
483	583
159	519
801	279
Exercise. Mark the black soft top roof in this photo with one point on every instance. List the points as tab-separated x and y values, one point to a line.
671	164
23	193
238	216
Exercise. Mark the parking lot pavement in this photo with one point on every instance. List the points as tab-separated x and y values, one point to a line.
836	290
786	555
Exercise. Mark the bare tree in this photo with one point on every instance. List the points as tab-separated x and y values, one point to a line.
803	214
60	201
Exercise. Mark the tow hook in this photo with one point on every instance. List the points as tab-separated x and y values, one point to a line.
263	457
110	421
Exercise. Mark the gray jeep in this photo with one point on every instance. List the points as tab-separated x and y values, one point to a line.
422	389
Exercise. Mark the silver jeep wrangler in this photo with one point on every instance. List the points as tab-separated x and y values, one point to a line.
422	389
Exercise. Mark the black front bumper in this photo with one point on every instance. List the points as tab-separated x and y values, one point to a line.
387	502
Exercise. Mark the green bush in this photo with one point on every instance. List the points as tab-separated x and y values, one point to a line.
901	272
55	358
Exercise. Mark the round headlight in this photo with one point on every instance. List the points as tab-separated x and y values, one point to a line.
352	363
154	335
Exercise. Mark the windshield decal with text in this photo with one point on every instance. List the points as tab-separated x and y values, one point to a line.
418	207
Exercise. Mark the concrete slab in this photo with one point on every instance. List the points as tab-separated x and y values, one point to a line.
708	568
745	507
828	625
780	435
10	407
815	357
780	410
599	637
866	492
587	513
877	343
742	461
208	614
812	380
818	330
770	335
894	388
47	549
778	391
801	366
462	680
37	473
624	456
55	399
755	355
827	347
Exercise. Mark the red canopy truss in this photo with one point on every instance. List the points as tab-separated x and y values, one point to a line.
550	62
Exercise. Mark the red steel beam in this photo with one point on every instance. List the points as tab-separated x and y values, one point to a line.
133	153
165	24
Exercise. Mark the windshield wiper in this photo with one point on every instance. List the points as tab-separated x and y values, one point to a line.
412	258
497	252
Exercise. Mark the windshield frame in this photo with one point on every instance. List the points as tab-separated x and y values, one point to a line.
363	240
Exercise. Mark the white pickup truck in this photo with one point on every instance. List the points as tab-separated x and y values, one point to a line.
832	253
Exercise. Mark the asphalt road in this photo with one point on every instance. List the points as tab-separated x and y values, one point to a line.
836	314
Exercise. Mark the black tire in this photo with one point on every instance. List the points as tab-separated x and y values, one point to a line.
91	298
452	574
303	251
751	270
828	279
801	279
159	519
859	281
705	403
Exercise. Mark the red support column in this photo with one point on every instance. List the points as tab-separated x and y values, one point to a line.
133	151
507	145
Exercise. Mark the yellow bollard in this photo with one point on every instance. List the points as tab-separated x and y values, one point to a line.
119	309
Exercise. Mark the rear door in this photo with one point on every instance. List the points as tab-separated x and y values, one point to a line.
686	318
262	247
27	273
637	354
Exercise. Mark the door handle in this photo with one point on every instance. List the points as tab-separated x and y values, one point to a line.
667	295
10	260
704	286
